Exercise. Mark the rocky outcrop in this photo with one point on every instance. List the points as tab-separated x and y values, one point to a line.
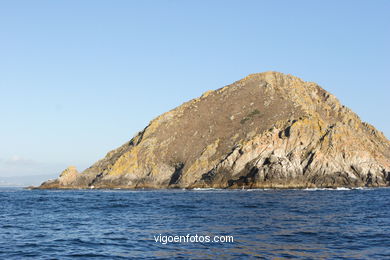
266	130
68	179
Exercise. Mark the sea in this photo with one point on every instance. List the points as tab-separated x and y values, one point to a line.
175	224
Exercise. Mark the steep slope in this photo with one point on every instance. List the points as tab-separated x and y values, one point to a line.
266	130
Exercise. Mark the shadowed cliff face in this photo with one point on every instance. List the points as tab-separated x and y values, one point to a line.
266	130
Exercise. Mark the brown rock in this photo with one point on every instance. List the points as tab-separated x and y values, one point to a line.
266	130
68	176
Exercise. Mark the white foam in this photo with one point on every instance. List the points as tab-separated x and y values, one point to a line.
339	188
363	188
255	189
204	189
343	188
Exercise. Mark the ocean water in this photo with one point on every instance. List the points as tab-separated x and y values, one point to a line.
265	224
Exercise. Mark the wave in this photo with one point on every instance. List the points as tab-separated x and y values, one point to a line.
230	190
267	189
255	189
205	189
337	189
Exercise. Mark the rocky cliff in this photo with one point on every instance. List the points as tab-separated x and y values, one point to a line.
268	130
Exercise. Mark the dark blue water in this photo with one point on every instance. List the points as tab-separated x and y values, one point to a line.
117	224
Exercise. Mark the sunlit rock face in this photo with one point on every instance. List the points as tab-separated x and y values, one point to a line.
268	130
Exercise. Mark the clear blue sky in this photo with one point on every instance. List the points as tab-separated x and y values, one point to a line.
79	78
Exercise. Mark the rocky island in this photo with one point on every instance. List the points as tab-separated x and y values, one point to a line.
268	130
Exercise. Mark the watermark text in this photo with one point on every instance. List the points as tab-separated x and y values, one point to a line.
165	239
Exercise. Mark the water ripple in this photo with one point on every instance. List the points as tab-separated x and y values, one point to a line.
266	224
